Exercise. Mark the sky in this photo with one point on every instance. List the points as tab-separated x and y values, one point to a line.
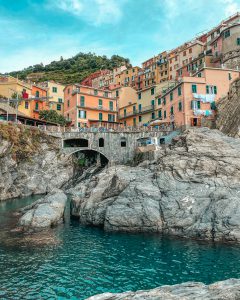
40	31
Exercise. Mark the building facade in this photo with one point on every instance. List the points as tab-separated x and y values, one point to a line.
86	106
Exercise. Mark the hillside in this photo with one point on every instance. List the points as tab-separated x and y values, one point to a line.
70	70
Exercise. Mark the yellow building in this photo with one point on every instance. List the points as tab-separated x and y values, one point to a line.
10	86
128	77
55	92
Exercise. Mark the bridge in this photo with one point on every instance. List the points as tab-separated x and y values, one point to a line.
116	147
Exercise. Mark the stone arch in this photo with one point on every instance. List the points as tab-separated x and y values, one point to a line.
101	142
81	143
97	155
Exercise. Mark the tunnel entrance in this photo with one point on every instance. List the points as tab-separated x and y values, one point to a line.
87	158
81	143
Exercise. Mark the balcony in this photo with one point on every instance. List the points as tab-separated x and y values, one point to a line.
99	107
137	112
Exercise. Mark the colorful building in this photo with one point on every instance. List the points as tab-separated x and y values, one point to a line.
86	106
55	95
191	102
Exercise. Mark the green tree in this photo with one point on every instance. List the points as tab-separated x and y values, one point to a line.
52	116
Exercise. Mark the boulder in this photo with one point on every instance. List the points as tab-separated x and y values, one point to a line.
44	213
227	290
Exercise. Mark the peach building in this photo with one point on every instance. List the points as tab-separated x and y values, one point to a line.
127	77
86	106
191	102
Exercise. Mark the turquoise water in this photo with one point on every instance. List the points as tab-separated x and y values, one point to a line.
75	262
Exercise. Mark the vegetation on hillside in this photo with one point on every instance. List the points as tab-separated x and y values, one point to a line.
71	70
25	141
52	116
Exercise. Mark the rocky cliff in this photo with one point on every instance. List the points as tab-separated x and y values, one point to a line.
30	162
228	111
227	290
191	189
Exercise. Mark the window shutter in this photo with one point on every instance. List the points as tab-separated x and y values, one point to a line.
207	89
215	89
198	104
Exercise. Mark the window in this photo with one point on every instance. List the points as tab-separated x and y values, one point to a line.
95	92
134	109
195	104
160	114
100	103
59	107
171	110
54	89
227	33
179	91
60	100
111	105
106	94
101	143
164	100
215	89
82	101
117	93
123	142
125	112
153	102
207	89
199	74
194	88
153	115
140	107
229	76
213	105
152	91
139	119
37	94
134	121
36	106
171	96
179	106
190	50
165	114
184	53
82	114
139	96
111	118
68	103
26	104
100	116
159	101
238	41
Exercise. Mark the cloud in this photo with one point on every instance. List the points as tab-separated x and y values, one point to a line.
231	7
94	12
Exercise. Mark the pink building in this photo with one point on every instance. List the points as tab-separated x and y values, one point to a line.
192	101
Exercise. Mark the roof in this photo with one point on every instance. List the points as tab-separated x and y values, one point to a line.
11	110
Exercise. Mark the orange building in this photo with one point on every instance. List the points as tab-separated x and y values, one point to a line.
86	106
191	102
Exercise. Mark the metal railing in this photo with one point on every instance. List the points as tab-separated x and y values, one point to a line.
137	111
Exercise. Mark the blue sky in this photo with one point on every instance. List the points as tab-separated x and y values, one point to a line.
35	31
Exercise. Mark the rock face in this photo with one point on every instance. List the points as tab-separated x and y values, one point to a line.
30	162
192	189
227	290
44	213
228	111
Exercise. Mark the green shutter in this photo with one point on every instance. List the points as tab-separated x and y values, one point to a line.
82	101
194	88
171	96
159	101
100	116
180	106
207	89
199	104
160	113
215	89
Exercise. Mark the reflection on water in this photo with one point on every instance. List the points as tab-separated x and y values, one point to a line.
74	262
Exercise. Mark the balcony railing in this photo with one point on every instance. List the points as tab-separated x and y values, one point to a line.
100	107
137	112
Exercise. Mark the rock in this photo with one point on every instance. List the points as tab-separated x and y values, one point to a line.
228	111
227	290
192	190
31	163
44	213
